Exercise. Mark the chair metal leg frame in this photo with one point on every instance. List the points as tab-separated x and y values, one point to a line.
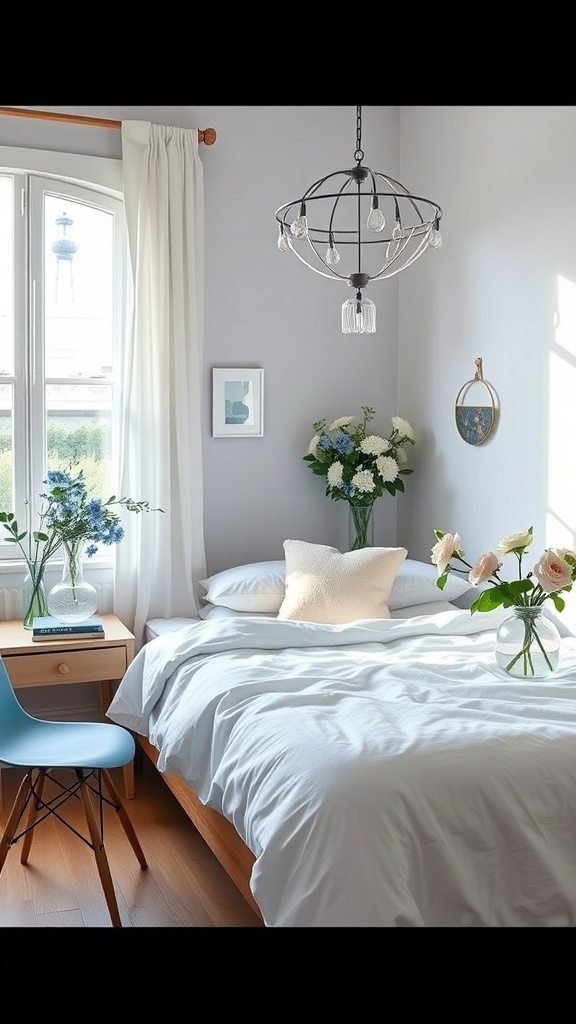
30	796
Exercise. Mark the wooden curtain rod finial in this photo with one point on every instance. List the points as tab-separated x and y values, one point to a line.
207	136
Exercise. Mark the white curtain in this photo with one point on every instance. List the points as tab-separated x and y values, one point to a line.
162	554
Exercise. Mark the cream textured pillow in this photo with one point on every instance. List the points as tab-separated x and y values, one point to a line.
324	585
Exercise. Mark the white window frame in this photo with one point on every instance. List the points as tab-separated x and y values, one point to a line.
98	174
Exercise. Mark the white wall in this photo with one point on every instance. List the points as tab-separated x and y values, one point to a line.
502	287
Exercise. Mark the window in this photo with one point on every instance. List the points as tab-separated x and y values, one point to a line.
62	301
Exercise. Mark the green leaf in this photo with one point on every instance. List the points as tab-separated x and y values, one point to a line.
559	602
441	581
489	600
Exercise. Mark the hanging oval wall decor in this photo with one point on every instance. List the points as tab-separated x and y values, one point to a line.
475	422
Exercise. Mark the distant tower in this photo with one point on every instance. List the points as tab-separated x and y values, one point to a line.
64	250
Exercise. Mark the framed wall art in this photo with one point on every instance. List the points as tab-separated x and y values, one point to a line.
237	402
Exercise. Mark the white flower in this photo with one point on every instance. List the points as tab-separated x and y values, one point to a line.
514	541
387	467
403	427
401	457
313	446
334	475
443	550
484	567
363	481
374	445
344	421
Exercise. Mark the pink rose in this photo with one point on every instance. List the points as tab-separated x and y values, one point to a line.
552	572
443	551
484	567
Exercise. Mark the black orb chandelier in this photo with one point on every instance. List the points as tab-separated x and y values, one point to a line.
359	206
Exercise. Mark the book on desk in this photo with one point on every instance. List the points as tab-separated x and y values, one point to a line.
46	627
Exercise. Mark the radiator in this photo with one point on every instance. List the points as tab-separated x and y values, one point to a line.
59	703
11	600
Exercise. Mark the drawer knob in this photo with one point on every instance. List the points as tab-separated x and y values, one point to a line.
63	669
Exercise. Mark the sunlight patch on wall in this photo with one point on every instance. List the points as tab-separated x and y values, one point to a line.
561	517
561	525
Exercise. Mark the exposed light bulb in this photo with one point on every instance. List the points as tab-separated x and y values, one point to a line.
436	240
376	220
299	227
332	254
394	243
282	241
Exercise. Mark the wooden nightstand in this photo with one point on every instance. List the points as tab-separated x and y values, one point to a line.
64	661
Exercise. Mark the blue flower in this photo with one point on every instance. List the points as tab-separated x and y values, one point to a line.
69	516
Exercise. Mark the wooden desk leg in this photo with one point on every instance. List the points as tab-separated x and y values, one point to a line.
105	694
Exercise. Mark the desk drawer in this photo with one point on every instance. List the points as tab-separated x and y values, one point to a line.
51	669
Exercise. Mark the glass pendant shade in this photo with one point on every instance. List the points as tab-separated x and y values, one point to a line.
358	316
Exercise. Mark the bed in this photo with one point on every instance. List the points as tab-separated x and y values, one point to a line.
377	771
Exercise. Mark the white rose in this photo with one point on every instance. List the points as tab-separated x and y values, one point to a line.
513	542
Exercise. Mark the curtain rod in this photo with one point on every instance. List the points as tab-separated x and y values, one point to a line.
205	135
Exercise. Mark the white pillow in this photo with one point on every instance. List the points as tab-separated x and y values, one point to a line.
254	587
416	584
324	585
260	586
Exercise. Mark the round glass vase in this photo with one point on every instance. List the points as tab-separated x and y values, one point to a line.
73	599
528	644
34	600
360	526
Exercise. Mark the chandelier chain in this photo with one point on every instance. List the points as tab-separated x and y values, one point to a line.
358	155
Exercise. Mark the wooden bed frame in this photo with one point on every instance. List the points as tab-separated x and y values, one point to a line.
226	845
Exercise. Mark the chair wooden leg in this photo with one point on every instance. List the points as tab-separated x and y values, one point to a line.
32	814
101	858
124	819
13	818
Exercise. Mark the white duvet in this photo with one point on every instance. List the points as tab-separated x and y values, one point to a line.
384	773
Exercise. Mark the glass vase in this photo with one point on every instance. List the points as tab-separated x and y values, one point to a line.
360	526
528	644
73	599
34	601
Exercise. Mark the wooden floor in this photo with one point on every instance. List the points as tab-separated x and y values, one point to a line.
184	886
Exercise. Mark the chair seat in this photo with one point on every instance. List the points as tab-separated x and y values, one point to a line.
37	743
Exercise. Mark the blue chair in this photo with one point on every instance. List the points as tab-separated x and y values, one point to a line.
88	750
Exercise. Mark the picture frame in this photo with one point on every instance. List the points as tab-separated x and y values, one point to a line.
237	402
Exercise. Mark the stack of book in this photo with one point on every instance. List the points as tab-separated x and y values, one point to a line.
45	627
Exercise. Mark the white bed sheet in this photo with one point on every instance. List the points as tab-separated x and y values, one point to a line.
384	773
